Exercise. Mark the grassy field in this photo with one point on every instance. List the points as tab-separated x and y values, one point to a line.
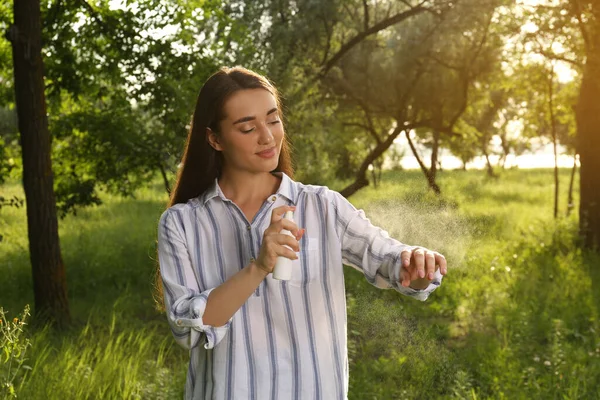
517	316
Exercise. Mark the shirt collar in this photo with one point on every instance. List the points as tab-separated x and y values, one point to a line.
287	189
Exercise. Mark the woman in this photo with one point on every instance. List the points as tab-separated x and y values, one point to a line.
251	336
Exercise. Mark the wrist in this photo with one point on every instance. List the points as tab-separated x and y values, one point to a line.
257	269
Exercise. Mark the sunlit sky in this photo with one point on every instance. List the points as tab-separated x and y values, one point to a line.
541	156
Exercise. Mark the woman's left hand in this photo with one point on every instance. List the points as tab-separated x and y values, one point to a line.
419	265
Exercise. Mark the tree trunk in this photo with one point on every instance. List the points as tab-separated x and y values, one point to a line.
430	179
588	140
490	169
434	155
361	176
163	172
48	271
554	138
485	123
570	204
556	181
464	164
376	172
505	148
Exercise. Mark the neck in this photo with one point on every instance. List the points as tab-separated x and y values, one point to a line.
243	187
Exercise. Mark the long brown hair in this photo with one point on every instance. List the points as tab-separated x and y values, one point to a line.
201	163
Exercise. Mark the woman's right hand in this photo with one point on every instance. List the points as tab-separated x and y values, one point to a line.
273	242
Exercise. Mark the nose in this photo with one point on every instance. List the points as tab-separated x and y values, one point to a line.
265	135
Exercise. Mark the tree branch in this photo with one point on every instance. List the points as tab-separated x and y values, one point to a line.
363	35
355	124
328	46
443	63
370	127
553	56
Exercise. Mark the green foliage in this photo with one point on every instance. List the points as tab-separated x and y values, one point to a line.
119	346
517	315
6	72
9	157
110	361
121	83
122	80
14	344
120	93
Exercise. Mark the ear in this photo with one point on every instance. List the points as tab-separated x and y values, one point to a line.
213	139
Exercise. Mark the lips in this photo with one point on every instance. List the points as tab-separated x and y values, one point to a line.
267	151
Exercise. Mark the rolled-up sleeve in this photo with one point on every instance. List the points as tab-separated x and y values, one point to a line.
184	300
372	251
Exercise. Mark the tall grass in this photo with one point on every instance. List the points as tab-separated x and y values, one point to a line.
105	362
517	316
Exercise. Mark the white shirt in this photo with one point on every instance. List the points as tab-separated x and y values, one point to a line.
289	340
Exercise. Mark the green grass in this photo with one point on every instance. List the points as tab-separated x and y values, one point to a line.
517	316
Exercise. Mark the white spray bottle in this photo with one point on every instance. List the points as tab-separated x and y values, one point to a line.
283	266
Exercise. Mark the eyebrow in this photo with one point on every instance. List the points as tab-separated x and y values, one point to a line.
251	118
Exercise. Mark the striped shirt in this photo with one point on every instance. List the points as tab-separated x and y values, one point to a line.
288	340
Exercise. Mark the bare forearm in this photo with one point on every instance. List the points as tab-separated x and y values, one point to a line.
227	298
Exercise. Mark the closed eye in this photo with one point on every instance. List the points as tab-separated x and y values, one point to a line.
271	123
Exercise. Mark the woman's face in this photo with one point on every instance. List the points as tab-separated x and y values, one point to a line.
251	125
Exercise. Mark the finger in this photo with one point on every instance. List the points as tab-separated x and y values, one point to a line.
288	241
409	271
405	257
419	262
282	249
278	212
430	264
290	226
404	277
287	253
300	234
441	261
282	224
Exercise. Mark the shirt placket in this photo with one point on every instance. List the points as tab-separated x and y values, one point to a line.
255	226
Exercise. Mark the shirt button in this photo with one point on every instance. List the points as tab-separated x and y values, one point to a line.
178	322
249	227
252	260
273	198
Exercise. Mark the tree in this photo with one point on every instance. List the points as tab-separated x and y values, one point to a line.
413	77
574	25
588	122
49	281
